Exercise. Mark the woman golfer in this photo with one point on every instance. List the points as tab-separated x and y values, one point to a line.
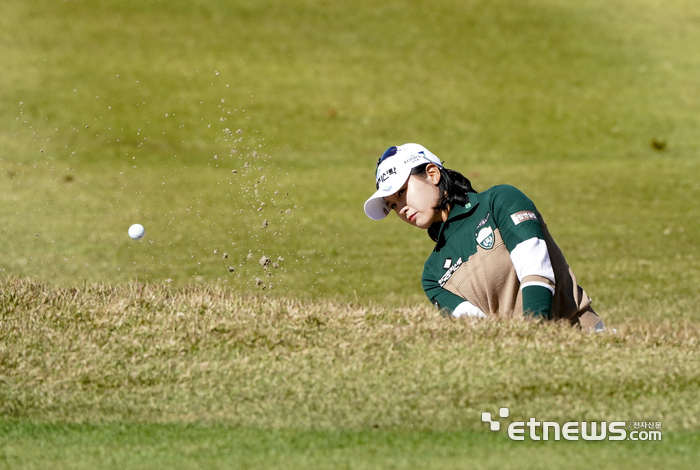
493	253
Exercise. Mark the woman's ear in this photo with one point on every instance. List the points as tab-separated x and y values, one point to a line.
432	171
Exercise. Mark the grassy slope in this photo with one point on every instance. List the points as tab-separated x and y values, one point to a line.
158	354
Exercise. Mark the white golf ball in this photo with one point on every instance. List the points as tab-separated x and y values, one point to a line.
137	231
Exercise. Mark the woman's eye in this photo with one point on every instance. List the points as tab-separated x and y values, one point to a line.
401	191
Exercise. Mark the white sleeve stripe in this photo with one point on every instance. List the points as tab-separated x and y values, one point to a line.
531	258
541	284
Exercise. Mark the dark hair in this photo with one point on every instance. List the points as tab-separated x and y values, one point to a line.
453	187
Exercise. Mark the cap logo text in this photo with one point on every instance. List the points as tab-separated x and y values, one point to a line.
386	175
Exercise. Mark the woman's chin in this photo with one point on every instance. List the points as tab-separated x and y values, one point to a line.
421	225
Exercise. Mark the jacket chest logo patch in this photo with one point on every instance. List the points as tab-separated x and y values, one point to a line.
485	238
483	222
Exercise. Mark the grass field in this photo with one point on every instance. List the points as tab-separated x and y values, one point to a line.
237	130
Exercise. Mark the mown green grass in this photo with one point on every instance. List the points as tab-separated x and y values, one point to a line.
113	113
201	446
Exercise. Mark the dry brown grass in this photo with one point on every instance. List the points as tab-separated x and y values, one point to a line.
151	353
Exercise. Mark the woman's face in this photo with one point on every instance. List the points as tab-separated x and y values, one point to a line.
415	201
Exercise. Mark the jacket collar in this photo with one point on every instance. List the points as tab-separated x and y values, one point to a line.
437	230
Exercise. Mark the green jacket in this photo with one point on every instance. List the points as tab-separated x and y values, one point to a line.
496	253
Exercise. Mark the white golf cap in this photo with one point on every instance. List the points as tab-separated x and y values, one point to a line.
393	170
